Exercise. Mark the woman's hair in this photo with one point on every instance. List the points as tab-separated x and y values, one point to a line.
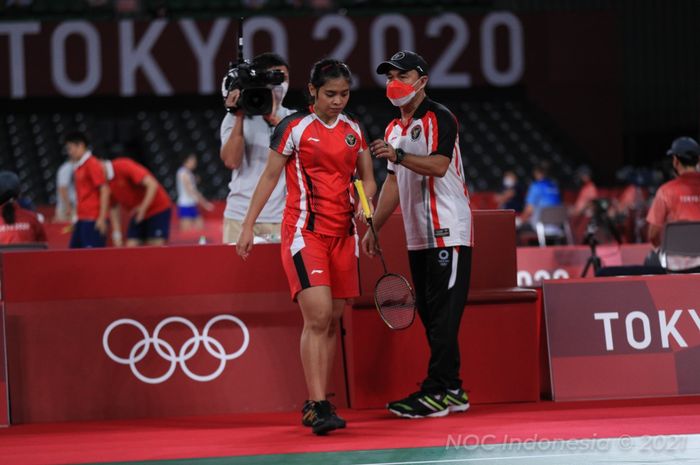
8	212
327	69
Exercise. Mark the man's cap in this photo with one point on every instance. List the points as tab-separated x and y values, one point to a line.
9	186
684	147
405	61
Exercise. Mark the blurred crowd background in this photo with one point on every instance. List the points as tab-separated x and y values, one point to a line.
593	91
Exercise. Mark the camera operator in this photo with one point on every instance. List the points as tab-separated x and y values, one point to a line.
245	141
678	199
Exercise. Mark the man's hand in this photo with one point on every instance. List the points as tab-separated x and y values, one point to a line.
232	99
207	205
139	214
381	149
101	226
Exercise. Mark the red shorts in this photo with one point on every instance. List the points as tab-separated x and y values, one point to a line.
312	259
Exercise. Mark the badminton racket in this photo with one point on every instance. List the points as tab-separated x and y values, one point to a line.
393	295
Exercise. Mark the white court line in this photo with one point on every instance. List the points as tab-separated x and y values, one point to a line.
474	459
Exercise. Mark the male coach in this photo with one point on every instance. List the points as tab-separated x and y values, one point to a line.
426	177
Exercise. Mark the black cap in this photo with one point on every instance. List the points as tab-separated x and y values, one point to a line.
405	61
9	186
684	147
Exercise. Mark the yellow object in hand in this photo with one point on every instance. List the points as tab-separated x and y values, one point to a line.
363	198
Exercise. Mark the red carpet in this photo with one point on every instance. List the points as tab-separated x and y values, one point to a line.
252	434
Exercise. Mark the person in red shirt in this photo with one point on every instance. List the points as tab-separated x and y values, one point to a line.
133	187
678	199
92	194
587	194
320	150
17	225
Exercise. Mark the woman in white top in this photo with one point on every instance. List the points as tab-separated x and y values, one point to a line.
188	196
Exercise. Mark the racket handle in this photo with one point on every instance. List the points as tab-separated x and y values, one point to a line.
363	198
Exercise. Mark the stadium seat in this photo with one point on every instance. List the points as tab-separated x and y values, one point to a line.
680	247
553	216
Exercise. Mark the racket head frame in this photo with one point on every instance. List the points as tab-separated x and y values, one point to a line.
379	308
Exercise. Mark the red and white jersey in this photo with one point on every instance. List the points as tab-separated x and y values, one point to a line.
676	200
125	184
319	171
26	228
435	210
88	176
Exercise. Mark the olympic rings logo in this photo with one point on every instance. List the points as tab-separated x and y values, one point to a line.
167	352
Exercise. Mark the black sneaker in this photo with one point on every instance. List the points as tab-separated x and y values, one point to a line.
308	413
340	422
457	400
325	420
420	405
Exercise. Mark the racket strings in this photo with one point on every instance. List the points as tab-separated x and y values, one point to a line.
395	301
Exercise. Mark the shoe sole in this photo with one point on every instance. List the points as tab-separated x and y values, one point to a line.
340	424
325	429
458	408
441	413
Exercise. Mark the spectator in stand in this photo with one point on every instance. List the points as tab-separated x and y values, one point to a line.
630	207
543	192
134	187
512	195
17	225
587	194
92	194
189	197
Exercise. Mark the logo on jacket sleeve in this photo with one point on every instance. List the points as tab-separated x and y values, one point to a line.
351	140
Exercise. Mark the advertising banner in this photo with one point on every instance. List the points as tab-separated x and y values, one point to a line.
152	332
623	337
78	58
4	398
536	264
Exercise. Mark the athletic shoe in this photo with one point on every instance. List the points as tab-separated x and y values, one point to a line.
457	400
420	405
308	415
339	421
325	420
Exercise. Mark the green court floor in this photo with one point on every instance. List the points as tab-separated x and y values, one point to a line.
657	450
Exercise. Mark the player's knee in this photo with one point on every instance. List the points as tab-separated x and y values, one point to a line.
320	324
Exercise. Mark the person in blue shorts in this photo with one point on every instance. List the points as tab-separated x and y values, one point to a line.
188	196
